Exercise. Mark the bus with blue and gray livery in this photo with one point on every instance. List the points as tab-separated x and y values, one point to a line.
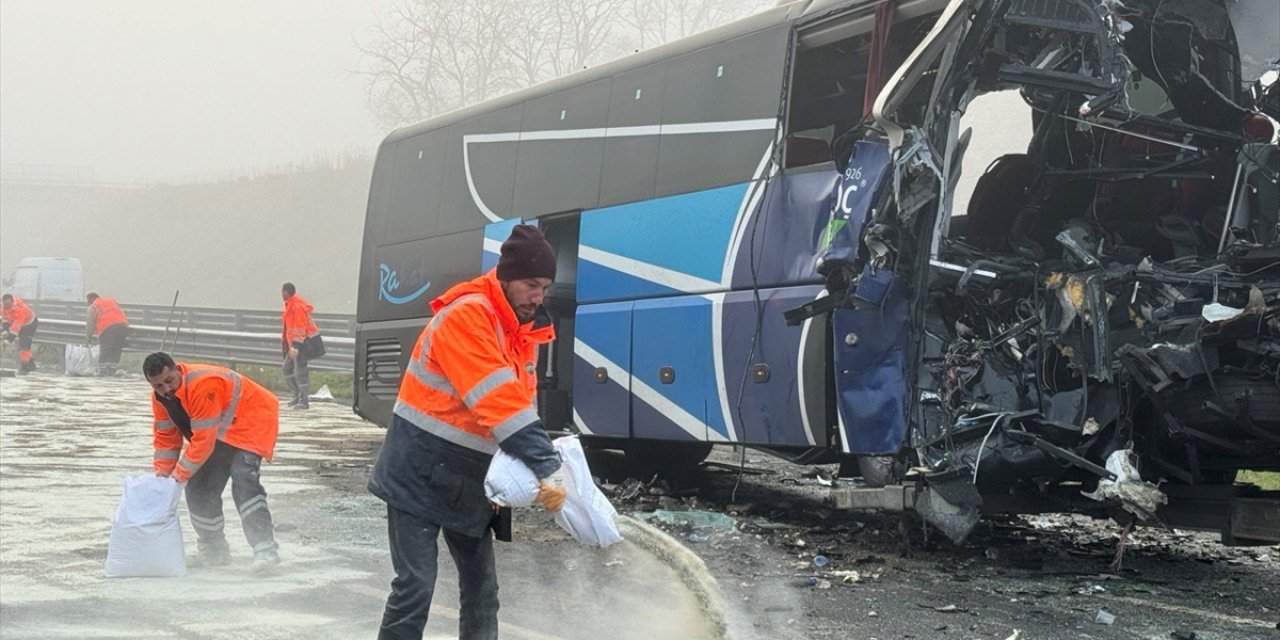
758	244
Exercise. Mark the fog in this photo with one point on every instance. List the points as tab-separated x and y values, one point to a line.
150	90
222	149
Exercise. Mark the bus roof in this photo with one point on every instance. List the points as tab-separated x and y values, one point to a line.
783	13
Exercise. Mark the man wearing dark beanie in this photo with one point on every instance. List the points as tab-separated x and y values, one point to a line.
468	391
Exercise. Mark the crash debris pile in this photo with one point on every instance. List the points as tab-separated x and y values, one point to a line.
1105	315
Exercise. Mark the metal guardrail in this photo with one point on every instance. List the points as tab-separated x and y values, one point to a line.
229	336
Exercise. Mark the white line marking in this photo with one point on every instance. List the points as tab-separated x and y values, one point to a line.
650	396
643	270
800	390
729	126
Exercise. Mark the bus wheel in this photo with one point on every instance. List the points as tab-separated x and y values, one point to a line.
669	457
878	471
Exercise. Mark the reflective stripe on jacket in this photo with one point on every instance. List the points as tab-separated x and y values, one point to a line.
19	315
222	405
472	379
105	313
298	325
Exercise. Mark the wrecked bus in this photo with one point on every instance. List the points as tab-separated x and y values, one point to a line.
759	245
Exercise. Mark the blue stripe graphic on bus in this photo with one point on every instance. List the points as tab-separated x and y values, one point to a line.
598	283
687	235
389	281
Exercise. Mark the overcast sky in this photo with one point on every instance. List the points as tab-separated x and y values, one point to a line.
155	89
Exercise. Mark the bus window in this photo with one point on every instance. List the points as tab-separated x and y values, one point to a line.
415	188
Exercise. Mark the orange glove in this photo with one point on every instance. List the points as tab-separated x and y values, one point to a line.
551	498
551	495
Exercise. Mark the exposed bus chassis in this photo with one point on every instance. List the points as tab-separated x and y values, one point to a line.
1101	332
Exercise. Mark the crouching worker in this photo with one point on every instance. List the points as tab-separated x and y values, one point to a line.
229	424
469	390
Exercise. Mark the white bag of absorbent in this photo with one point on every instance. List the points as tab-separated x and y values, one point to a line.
146	537
81	360
586	515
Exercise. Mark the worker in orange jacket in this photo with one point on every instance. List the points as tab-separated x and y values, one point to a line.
469	390
299	333
20	323
229	424
110	327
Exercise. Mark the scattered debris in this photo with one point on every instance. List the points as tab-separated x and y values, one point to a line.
1104	617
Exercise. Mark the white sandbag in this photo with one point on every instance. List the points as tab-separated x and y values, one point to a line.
509	482
587	514
146	537
81	360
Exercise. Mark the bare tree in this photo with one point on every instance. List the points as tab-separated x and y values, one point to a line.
425	57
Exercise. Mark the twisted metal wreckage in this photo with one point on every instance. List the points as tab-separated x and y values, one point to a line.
1106	317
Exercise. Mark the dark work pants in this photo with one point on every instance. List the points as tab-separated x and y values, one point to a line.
413	555
110	346
298	378
204	499
26	337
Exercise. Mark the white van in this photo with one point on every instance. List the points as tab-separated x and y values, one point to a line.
47	279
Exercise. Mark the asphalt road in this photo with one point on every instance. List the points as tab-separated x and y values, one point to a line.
67	443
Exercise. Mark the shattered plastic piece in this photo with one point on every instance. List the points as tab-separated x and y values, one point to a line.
823	584
820	561
1016	635
1104	617
697	537
1136	495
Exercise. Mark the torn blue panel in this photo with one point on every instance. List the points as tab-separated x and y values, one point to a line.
786	228
871	385
858	191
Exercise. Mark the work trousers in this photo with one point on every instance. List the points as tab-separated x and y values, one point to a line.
204	499
413	555
27	336
110	346
298	378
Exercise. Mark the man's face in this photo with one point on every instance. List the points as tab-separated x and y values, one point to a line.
8	303
525	296
167	383
285	295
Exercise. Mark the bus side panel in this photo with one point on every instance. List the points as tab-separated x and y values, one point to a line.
673	371
602	369
779	396
561	151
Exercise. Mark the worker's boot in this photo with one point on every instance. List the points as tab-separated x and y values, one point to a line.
211	554
264	560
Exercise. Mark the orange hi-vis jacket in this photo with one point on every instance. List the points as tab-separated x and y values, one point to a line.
19	315
106	313
473	377
222	405
298	325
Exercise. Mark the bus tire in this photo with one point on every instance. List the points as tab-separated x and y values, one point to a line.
878	471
